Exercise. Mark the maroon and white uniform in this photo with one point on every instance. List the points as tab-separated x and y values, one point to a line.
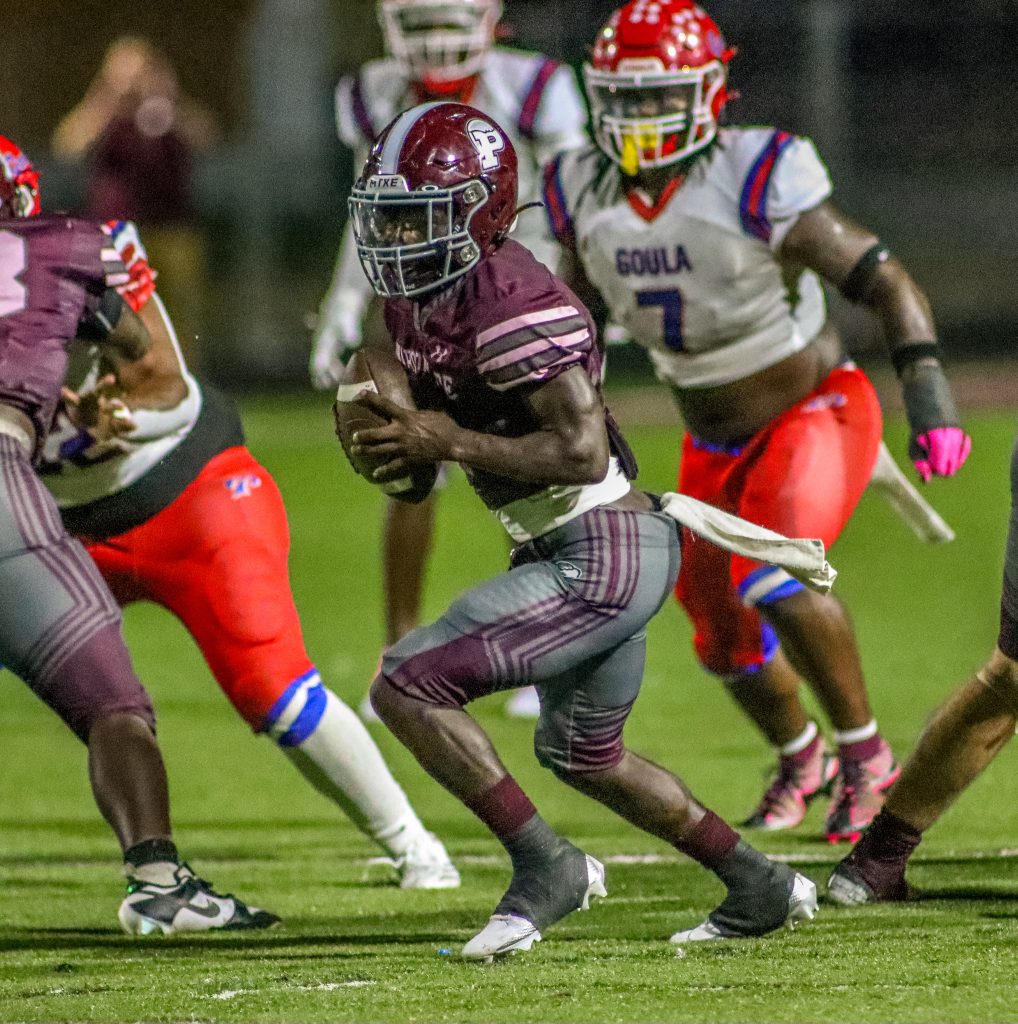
570	616
59	625
509	326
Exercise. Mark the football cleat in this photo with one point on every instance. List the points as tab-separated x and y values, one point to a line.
859	793
855	882
798	782
189	905
426	865
801	906
524	703
508	933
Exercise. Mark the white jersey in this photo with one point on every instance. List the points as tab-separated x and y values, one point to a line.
696	279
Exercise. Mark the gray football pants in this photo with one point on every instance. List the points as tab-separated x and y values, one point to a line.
569	618
59	625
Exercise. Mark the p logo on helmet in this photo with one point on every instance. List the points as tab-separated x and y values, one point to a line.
487	141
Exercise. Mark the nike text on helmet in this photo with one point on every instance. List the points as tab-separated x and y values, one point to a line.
439	40
656	83
436	196
19	182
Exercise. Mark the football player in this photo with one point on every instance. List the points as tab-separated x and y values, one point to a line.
174	509
503	360
59	624
440	50
963	737
709	244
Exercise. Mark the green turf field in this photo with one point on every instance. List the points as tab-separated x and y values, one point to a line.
353	947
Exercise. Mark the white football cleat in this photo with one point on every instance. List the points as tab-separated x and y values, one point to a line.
507	933
504	933
524	703
426	865
802	906
188	905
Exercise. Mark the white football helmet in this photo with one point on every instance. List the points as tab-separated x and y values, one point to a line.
439	41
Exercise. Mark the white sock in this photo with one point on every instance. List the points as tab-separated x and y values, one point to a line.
801	742
864	732
158	872
342	761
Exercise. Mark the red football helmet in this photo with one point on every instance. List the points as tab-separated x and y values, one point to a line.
656	83
441	43
19	182
437	194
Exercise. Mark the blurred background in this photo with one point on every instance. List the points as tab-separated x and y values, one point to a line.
911	105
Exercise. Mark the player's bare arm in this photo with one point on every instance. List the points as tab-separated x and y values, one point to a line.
155	380
569	446
827	241
854	260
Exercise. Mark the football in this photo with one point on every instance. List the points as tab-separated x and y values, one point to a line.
379	371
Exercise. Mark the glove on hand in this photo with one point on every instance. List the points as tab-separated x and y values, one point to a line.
939	446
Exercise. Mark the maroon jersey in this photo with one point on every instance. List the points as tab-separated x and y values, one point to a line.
53	272
506	328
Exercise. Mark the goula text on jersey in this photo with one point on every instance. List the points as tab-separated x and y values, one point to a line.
651	261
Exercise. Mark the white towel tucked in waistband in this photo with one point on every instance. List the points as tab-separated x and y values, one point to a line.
803	558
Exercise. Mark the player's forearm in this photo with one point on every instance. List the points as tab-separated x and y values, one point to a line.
543	457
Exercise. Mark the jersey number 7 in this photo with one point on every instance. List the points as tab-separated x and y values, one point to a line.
670	301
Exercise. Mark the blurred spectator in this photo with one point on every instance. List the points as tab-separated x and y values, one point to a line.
137	134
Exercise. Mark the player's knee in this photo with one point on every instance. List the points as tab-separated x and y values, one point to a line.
298	711
438	688
770	590
572	749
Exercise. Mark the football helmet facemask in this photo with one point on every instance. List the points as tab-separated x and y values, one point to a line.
437	195
441	43
19	182
656	83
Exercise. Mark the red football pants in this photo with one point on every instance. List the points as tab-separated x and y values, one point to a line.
217	558
802	475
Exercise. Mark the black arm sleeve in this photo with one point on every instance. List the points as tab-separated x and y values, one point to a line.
100	323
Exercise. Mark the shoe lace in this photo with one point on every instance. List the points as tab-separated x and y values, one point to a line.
783	781
202	883
852	780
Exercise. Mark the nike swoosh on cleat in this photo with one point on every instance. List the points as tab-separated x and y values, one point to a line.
166	908
507	947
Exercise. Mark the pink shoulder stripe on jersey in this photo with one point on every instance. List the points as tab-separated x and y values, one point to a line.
555	206
753	201
532	101
541	316
114	270
543	367
523	352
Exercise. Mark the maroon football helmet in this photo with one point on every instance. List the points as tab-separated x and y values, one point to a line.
19	182
437	194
